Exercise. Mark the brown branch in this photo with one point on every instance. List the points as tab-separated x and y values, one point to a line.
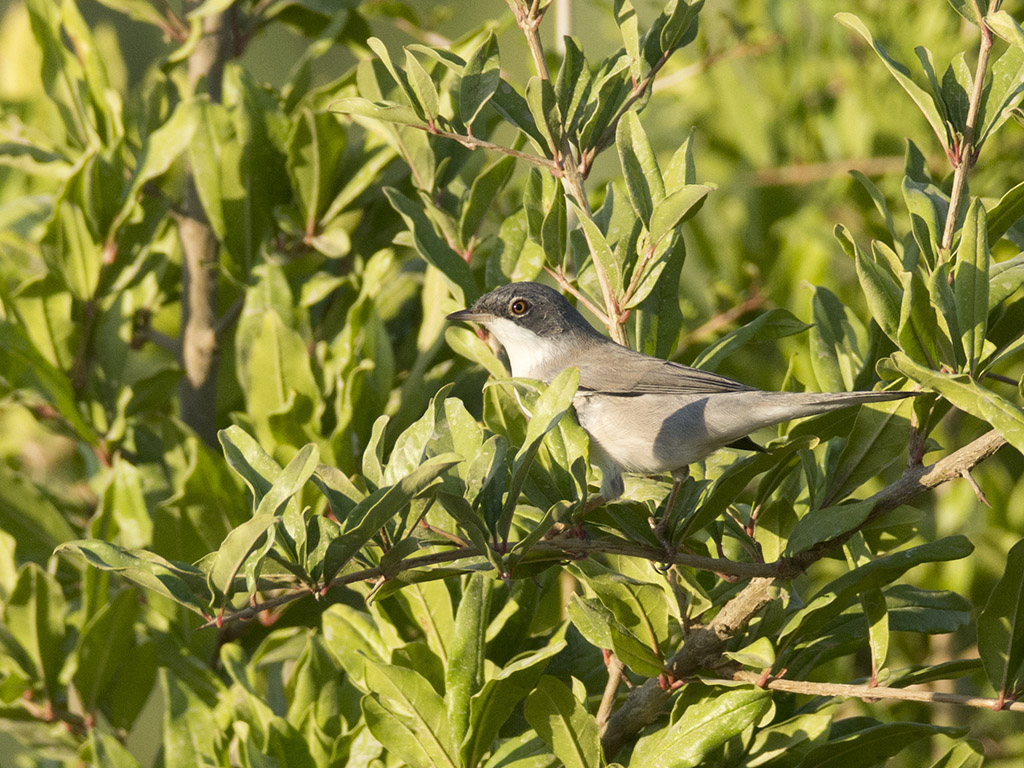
550	550
611	690
754	301
471	142
965	154
870	693
199	345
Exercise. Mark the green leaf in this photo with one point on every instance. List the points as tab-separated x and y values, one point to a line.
17	350
640	171
190	731
774	324
878	439
435	250
422	86
1001	627
491	707
679	206
924	101
834	598
1007	212
37	525
927	206
1006	278
549	408
34	617
315	149
823	524
970	397
480	79
838	343
482	195
564	725
184	584
873	604
464	672
600	250
367	517
872	746
965	754
104	748
249	461
882	290
600	627
735	478
540	98
970	284
703	719
572	85
103	647
407	716
788	739
388	112
162	147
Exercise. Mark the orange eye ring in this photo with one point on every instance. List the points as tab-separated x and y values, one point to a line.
519	307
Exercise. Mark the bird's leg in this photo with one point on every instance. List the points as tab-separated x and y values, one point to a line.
661	527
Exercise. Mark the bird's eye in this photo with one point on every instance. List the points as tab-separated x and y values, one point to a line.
519	307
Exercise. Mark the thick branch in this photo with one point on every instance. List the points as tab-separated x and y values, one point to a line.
198	389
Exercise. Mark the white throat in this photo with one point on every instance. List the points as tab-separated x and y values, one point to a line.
530	356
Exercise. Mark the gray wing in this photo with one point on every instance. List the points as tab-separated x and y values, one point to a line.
616	370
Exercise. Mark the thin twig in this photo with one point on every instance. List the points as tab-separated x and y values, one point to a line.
471	142
965	153
869	692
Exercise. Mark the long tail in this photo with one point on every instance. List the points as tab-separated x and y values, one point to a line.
794	405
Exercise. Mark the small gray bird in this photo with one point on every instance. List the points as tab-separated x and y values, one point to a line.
643	414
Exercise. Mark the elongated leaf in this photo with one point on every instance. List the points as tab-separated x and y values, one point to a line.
832	599
678	207
464	673
376	509
639	169
103	647
879	438
480	79
34	617
482	195
189	729
703	720
422	86
407	716
823	524
970	283
600	627
774	324
838	342
562	722
1007	212
388	112
548	410
871	746
969	396
184	584
434	249
1001	627
924	101
17	350
491	706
